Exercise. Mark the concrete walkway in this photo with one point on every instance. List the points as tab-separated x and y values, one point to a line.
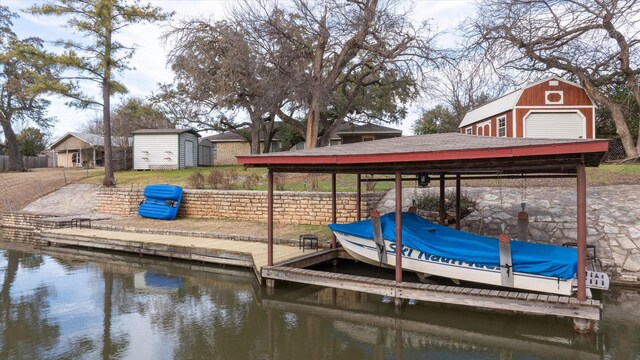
73	199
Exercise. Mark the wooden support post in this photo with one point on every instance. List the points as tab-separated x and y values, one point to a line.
582	231
334	205
458	194
443	215
359	197
270	218
398	227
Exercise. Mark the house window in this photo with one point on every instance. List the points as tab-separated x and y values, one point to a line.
502	126
214	151
334	142
275	147
301	145
368	138
469	131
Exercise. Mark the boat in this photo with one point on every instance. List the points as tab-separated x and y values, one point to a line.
431	249
161	202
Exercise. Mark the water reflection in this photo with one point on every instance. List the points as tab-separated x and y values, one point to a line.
72	304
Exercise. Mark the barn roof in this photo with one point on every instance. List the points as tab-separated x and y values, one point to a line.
503	103
451	152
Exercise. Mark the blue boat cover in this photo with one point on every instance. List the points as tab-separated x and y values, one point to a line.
161	202
423	235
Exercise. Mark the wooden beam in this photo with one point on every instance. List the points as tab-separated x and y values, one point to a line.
458	194
270	217
443	215
334	205
398	227
359	198
582	232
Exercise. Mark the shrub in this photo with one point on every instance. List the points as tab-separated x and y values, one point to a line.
196	180
431	202
312	181
279	180
251	181
215	178
370	185
230	179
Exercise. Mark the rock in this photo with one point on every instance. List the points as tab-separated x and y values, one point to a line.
628	277
502	216
619	259
634	233
625	243
543	218
610	229
537	235
632	263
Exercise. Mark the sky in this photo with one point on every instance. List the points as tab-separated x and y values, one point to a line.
149	60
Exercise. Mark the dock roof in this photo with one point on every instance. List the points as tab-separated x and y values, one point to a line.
444	153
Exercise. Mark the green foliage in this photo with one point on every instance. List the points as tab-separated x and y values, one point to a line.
288	136
97	57
431	202
606	127
436	120
27	74
31	141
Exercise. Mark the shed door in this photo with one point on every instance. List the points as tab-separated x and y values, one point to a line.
206	156
188	153
554	125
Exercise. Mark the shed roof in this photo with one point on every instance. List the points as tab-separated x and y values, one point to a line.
164	131
503	103
451	152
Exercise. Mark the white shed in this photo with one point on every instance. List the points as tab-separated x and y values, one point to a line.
165	149
205	148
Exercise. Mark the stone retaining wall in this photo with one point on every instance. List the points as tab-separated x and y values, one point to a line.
289	207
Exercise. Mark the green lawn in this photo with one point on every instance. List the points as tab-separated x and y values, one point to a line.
603	175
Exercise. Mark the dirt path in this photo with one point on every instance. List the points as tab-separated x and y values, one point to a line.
18	189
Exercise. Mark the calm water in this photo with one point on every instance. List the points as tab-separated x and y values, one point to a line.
84	305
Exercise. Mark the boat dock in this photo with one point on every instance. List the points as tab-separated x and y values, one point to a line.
291	263
246	254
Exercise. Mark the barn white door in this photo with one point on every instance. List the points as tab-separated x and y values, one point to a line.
554	125
188	154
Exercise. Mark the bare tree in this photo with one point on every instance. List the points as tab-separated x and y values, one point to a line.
330	54
593	41
219	69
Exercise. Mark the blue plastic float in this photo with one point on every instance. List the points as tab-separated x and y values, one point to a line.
161	202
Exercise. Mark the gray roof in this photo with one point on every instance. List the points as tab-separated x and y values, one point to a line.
347	129
165	131
439	153
225	136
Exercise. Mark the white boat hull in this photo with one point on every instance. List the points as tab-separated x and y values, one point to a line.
414	260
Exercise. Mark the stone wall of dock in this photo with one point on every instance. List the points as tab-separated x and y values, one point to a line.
289	207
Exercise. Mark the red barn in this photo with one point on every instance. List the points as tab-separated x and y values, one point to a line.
550	108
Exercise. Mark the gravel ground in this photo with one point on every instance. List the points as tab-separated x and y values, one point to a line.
18	189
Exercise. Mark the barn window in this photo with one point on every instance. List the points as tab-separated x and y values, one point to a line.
553	97
469	131
502	126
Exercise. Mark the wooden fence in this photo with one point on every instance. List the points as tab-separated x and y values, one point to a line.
29	162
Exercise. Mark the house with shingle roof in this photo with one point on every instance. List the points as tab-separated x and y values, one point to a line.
226	146
75	149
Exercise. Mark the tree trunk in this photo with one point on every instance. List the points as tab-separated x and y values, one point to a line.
616	114
109	179
15	159
313	123
255	139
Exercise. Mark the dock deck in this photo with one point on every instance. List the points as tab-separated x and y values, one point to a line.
216	251
290	263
